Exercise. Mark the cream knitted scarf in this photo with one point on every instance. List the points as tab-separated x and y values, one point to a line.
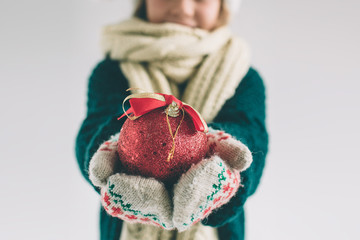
167	57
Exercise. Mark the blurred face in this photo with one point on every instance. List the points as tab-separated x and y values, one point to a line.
193	13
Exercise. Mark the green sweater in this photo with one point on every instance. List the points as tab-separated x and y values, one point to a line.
242	116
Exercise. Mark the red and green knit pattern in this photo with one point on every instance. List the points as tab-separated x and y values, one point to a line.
114	204
223	191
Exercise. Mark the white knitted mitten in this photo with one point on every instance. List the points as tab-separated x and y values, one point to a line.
137	199
133	199
212	182
232	151
104	162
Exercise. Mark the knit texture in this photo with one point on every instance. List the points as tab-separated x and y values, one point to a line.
137	200
232	151
104	162
130	198
161	57
242	116
205	187
148	232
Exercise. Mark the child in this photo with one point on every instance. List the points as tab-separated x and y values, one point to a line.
183	48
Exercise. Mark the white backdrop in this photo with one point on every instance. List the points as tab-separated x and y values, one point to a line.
308	53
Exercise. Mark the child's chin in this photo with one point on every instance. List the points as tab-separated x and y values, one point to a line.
184	23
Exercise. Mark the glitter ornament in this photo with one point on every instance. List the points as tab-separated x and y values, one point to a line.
145	145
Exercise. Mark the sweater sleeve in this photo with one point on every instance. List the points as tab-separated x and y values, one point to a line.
106	92
243	116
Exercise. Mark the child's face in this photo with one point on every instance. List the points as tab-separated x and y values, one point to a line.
193	13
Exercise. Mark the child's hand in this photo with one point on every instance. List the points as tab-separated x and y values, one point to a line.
212	182
131	198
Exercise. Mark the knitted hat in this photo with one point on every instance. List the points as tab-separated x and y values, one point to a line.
234	5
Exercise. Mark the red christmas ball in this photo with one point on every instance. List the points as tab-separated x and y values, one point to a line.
144	146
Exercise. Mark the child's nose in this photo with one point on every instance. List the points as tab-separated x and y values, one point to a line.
183	7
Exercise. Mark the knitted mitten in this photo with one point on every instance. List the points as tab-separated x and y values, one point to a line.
205	187
212	182
104	162
133	199
137	199
232	151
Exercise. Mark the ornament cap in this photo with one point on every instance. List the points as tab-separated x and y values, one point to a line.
172	110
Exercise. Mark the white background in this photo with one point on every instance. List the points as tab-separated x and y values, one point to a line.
308	53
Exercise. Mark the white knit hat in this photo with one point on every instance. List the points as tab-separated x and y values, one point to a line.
234	5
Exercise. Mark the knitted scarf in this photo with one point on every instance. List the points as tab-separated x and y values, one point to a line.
139	231
199	67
